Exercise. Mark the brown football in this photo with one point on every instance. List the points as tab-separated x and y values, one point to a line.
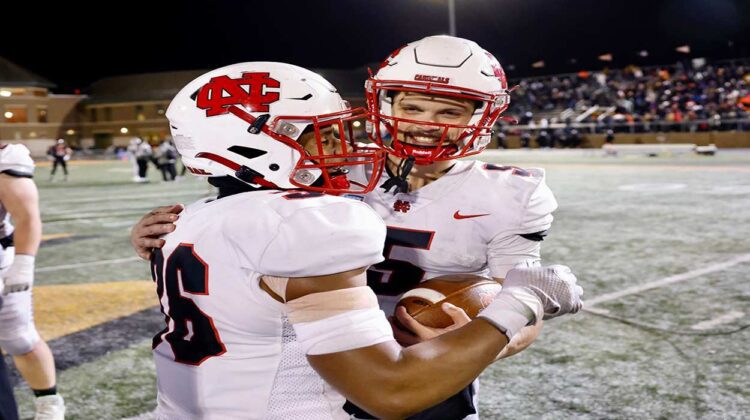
467	291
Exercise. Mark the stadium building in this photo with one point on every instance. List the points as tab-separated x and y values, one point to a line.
116	109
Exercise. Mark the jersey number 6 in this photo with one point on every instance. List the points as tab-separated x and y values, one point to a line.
189	331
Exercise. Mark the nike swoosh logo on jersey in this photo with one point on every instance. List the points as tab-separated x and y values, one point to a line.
467	216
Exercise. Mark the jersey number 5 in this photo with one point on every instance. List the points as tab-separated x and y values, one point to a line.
393	277
190	332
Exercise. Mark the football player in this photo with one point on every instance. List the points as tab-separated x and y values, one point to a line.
432	102
264	289
19	200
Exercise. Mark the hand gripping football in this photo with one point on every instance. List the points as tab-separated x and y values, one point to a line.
467	291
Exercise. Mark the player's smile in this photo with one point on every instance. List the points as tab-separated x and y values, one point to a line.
421	139
430	109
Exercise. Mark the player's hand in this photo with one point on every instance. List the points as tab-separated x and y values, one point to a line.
403	336
145	234
422	332
555	286
20	275
533	293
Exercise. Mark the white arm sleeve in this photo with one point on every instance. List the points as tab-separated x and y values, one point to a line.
509	251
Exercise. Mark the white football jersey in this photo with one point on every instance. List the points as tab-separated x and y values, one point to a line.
228	351
470	220
14	161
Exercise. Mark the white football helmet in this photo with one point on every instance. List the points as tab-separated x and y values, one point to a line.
245	120
438	65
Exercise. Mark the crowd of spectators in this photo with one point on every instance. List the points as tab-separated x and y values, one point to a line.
691	96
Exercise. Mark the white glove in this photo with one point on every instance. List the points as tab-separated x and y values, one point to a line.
555	286
20	275
530	293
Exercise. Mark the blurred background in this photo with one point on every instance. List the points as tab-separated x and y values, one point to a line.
97	78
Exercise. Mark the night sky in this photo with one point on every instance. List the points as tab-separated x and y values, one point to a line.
76	45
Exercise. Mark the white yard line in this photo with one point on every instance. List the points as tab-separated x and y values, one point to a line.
667	281
86	264
722	319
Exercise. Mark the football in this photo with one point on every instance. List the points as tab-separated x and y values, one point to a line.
467	291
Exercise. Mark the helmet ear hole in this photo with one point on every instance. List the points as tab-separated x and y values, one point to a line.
247	152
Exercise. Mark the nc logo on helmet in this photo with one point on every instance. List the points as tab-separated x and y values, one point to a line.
222	92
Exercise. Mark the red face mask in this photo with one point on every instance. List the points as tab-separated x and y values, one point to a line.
453	141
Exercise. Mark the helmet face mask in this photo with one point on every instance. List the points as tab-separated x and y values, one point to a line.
246	121
328	149
438	68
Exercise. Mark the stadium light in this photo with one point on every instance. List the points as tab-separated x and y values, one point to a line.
452	17
8	115
5	93
124	130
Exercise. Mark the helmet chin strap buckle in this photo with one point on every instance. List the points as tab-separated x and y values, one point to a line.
399	181
248	175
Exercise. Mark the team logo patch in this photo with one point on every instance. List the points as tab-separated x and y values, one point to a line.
402	206
250	91
458	216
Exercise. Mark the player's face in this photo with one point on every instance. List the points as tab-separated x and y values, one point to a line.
430	109
329	142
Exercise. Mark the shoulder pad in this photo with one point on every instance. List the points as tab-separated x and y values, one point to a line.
15	160
323	235
526	192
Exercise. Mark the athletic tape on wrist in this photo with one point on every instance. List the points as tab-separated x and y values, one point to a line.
511	310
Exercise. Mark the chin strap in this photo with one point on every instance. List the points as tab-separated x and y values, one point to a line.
399	180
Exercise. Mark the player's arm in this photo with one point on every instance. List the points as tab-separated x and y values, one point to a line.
21	198
523	339
523	247
336	318
146	234
409	331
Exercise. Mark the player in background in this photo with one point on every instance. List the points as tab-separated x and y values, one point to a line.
263	303
59	153
434	101
19	201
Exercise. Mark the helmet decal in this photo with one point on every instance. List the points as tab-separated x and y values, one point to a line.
222	91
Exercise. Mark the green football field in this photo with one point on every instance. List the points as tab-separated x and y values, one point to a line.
659	244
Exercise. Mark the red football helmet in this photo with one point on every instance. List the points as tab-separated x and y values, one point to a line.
438	66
